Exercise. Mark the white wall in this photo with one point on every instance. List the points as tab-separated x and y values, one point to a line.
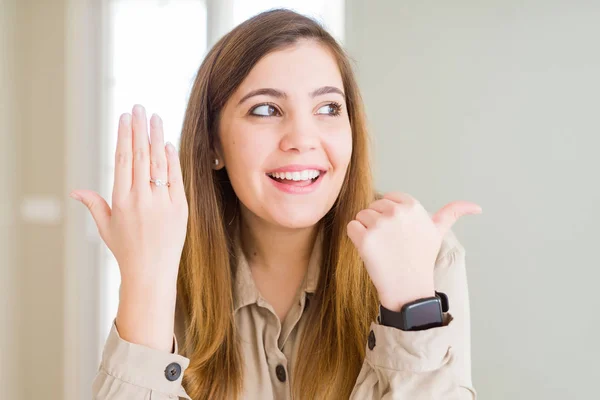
497	102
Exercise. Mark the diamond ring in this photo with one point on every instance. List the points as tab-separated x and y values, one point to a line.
159	182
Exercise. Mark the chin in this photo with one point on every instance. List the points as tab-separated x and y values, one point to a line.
297	219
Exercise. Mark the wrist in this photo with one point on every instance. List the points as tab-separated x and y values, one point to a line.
146	314
396	300
142	286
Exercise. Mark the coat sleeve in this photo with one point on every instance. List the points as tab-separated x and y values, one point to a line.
429	364
130	371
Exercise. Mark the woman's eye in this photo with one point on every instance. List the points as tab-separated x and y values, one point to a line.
330	109
265	110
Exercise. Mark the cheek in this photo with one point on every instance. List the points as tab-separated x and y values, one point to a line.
245	152
339	150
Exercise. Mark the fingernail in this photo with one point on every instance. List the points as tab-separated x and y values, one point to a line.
75	196
125	119
156	121
170	147
138	109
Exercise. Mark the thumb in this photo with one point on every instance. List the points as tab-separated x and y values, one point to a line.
98	208
451	212
356	232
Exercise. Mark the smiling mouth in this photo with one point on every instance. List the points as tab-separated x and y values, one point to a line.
299	178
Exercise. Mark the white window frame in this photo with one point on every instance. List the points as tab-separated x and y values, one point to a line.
84	66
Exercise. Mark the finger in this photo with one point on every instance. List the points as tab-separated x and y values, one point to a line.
158	158
384	206
368	217
176	189
451	212
402	198
98	208
356	232
141	150
123	158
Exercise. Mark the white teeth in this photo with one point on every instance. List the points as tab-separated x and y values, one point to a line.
297	175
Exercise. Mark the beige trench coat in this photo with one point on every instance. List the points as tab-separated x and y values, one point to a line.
407	365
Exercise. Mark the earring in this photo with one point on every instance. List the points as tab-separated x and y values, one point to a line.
216	161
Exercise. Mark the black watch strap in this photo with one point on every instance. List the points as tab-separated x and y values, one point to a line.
444	299
417	315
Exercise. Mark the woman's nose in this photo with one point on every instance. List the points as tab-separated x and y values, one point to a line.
300	135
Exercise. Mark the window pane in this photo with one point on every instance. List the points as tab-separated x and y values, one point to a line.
156	49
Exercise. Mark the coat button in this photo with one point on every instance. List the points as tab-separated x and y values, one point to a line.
173	371
280	372
371	340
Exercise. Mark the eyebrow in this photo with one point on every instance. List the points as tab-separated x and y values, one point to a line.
282	95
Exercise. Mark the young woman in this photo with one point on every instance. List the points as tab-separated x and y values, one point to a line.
268	267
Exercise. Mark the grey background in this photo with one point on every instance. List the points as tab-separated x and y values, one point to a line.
497	102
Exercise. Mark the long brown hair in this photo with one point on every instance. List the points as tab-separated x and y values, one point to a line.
345	299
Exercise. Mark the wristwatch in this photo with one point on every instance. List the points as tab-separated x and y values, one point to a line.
417	315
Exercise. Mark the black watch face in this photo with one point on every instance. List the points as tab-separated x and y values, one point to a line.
423	314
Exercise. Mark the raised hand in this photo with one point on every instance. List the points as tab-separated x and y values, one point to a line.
146	227
399	242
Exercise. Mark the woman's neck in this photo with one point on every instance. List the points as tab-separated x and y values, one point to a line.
275	249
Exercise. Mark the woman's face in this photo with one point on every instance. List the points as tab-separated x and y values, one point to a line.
285	136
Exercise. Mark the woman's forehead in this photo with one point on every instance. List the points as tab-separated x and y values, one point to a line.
296	69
